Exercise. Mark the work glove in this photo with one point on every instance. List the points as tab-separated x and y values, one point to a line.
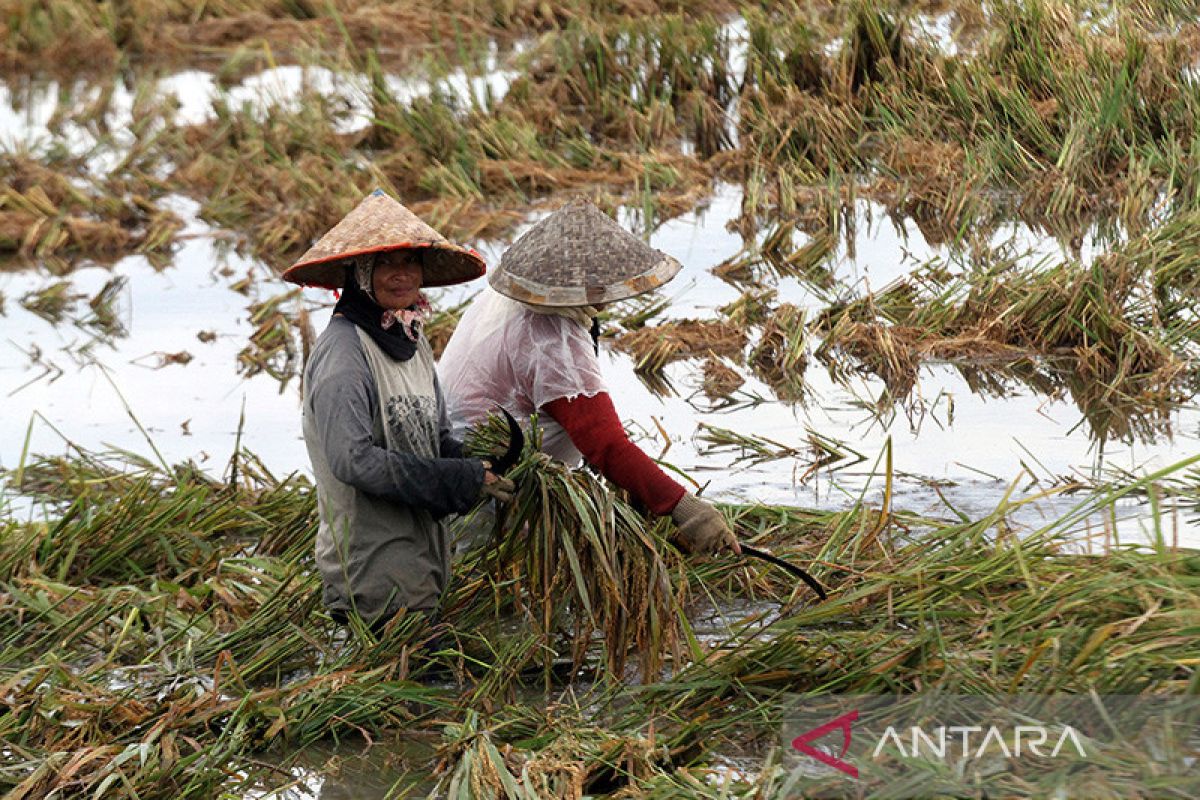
701	528
501	489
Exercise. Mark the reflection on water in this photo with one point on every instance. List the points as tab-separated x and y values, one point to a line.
38	113
348	771
963	436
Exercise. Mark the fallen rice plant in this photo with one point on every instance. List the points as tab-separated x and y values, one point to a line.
781	355
159	629
273	345
69	36
52	302
654	347
580	566
1101	326
720	380
45	213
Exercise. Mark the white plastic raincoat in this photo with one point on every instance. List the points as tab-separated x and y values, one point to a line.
505	353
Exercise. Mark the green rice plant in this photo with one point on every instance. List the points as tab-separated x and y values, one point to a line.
751	308
755	449
784	49
635	312
633	82
479	768
875	46
1166	257
826	452
580	567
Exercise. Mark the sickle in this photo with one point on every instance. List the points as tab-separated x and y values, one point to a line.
795	571
516	443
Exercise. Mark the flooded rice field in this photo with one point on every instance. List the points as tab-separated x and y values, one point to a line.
170	363
935	339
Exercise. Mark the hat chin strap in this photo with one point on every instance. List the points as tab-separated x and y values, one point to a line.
581	314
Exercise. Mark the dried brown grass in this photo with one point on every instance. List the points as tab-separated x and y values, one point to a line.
654	347
720	380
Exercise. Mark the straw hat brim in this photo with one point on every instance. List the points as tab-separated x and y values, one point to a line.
381	224
444	265
530	291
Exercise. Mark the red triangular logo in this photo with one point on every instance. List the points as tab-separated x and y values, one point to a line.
842	723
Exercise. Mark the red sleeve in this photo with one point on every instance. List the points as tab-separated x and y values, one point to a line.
594	427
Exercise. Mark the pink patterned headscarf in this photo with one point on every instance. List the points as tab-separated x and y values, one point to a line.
411	319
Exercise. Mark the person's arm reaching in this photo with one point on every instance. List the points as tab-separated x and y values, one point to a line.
341	405
594	428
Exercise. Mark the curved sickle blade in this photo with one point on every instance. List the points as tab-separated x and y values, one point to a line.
516	443
747	550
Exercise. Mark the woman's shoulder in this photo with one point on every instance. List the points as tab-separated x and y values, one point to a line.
340	332
531	323
337	348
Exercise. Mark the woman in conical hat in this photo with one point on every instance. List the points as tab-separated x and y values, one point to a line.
375	425
528	344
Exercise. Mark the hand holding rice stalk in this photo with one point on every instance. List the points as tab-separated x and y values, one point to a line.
577	562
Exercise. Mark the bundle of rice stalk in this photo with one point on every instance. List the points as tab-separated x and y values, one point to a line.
579	564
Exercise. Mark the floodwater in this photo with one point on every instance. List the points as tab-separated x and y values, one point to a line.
952	448
349	772
954	452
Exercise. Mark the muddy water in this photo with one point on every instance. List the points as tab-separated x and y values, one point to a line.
348	772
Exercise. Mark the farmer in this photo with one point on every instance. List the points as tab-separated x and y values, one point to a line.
530	345
375	423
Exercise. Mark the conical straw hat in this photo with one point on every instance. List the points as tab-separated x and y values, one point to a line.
376	225
578	256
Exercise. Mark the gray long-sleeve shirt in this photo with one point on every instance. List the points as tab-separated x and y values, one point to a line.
386	470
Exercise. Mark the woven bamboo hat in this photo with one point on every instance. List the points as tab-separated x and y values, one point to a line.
578	256
377	225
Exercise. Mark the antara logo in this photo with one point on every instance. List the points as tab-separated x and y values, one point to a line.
842	723
955	741
974	741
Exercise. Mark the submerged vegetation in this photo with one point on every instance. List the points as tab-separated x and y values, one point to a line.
161	631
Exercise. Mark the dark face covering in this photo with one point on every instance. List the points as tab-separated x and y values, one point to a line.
358	307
